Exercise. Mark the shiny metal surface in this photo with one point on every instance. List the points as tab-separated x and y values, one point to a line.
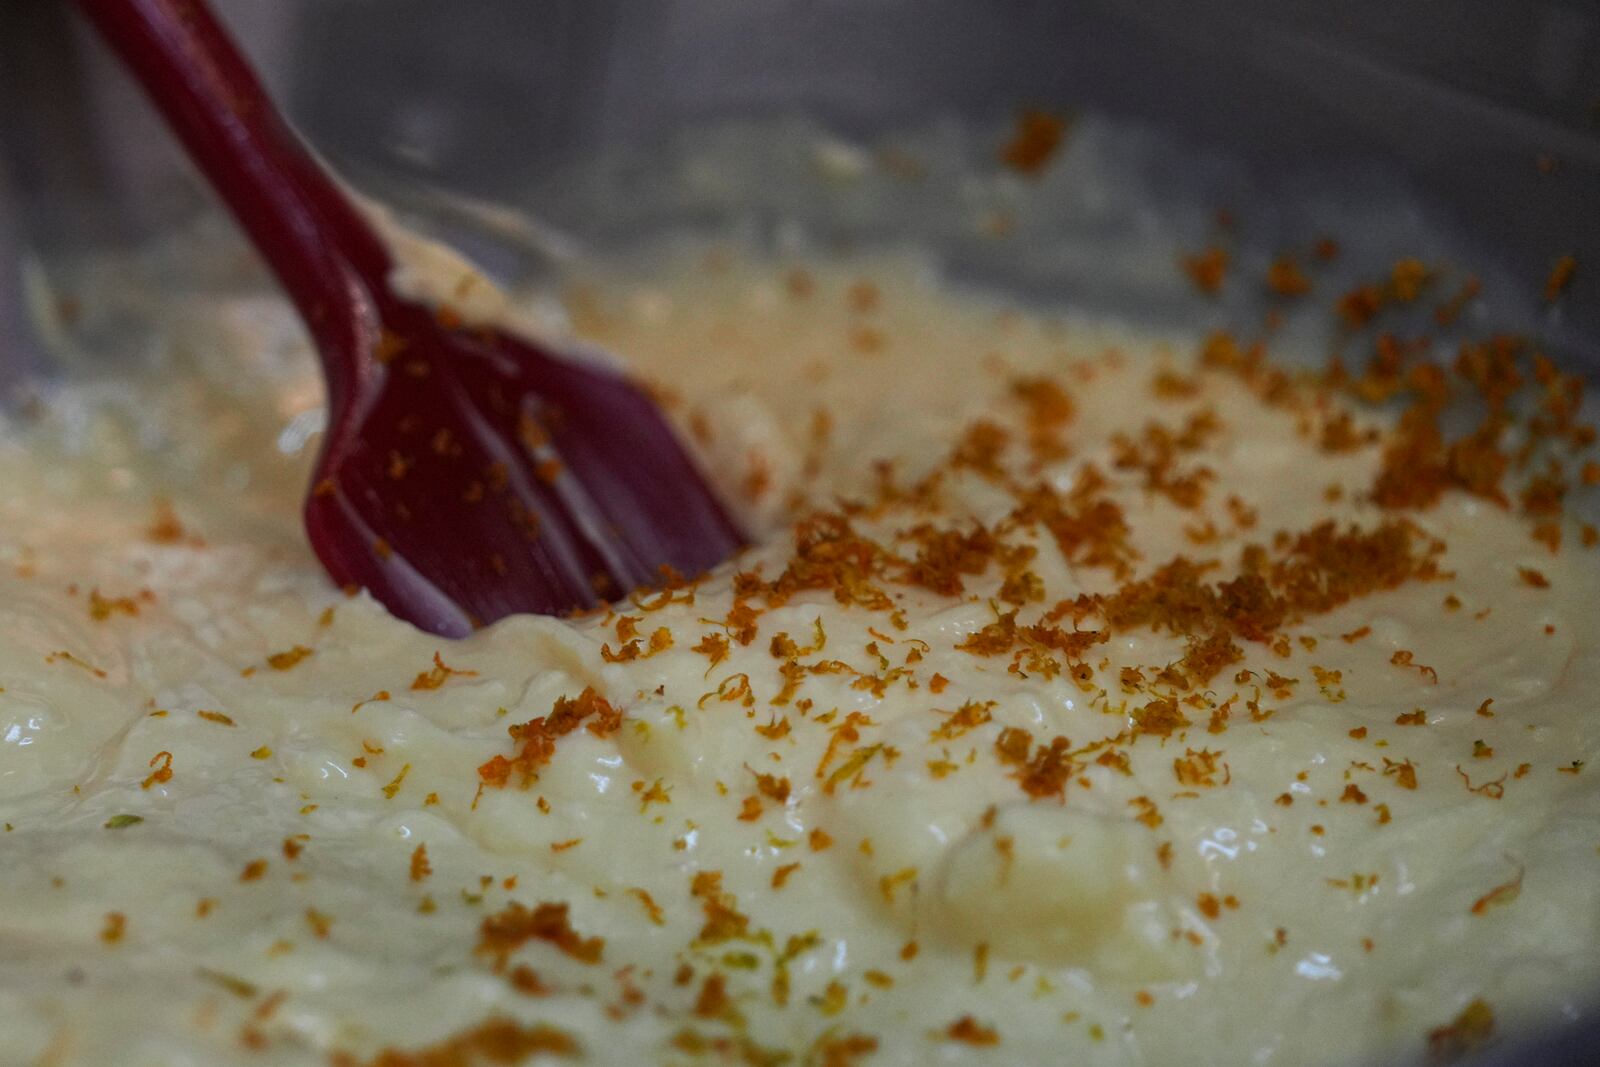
1487	111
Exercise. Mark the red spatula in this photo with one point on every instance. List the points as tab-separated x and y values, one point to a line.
467	473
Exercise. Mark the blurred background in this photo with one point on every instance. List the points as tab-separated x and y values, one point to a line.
1487	110
1485	113
1479	119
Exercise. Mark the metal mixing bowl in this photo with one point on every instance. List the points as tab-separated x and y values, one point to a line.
1488	110
1484	113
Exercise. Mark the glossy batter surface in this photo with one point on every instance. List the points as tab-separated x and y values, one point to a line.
1087	697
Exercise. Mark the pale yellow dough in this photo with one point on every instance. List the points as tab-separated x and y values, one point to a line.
1052	922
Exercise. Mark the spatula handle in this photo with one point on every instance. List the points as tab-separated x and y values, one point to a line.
300	220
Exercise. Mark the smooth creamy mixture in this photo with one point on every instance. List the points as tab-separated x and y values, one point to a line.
1088	697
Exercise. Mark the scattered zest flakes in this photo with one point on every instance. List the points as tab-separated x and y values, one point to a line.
851	769
651	908
64	656
1403	658
1404	773
1358	306
393	787
433	679
122	822
115	926
288	660
714	647
165	528
1356	883
162	762
1207	269
1037	137
1148	813
969	1031
496	1040
320	924
1533	578
1504	893
1494	789
1044	773
102	608
376	698
1198	769
1285	278
713	1001
237	986
536	739
1469	1031
655	793
1212	618
967	717
1561	275
216	717
502	934
724	920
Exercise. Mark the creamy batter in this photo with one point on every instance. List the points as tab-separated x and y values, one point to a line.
955	764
